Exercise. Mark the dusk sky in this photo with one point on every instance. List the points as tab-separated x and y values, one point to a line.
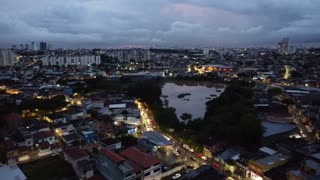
180	23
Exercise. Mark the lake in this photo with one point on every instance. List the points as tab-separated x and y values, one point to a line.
192	97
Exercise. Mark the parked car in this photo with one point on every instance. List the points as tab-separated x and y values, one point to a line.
176	176
204	158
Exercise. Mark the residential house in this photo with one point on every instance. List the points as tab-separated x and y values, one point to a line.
258	167
55	118
12	172
309	169
110	143
229	154
65	130
80	161
203	173
70	139
113	166
88	136
74	113
45	136
148	165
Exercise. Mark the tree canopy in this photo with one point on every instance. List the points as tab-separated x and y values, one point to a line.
231	118
44	104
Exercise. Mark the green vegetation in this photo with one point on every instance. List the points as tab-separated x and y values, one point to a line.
229	118
166	118
212	77
147	91
186	116
275	91
49	168
128	140
101	83
44	104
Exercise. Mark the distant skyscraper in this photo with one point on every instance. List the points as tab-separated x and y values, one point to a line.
34	46
148	55
7	58
206	52
21	46
14	47
43	46
49	46
284	46
26	46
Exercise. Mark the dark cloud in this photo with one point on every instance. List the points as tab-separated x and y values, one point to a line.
186	23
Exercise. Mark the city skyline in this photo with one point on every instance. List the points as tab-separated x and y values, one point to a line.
168	23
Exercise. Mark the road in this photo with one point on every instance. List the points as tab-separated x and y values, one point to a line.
188	158
148	124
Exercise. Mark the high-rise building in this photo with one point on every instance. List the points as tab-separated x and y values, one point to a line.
7	58
83	60
34	46
284	46
206	51
43	46
26	46
148	55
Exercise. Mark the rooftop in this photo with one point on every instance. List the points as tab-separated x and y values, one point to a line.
267	150
313	164
109	141
140	158
157	138
76	153
204	173
70	137
11	173
271	160
44	134
111	155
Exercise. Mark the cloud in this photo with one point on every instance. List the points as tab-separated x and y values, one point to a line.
186	23
224	29
254	29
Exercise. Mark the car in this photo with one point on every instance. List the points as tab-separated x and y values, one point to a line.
191	150
204	158
193	159
176	153
176	176
165	168
185	146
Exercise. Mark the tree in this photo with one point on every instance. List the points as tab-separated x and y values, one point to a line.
147	91
231	118
296	74
128	140
275	91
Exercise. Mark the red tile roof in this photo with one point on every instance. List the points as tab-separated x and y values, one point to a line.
136	167
140	158
55	146
76	153
44	134
111	155
44	145
23	149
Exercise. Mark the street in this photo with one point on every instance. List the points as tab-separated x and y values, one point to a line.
167	153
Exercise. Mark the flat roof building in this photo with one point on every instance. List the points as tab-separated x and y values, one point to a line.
156	138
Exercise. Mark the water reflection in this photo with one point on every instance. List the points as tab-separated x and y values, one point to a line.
192	99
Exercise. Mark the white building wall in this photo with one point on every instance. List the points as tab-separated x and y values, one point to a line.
67	60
